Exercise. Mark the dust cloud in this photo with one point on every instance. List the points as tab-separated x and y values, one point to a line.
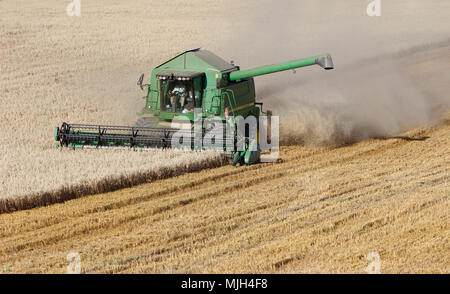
375	90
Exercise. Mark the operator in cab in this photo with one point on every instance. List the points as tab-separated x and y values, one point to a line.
182	96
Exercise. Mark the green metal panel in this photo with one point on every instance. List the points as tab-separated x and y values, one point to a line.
236	91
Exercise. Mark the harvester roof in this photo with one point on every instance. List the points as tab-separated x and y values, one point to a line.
197	59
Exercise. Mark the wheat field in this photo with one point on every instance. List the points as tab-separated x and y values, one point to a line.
55	68
319	209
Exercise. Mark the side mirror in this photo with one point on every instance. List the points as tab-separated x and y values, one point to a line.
141	79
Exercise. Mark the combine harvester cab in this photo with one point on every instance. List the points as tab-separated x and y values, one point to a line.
194	86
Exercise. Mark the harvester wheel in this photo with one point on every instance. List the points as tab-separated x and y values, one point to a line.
238	157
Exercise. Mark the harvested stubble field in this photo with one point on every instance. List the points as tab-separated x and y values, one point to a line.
310	213
320	209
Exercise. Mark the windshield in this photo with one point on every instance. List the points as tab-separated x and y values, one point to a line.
181	96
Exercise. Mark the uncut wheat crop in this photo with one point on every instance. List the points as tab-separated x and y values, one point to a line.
55	68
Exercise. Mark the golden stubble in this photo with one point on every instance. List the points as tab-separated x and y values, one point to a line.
318	210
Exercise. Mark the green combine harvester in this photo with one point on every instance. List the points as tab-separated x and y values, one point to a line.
194	85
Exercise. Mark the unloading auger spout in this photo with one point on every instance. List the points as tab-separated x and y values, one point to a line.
323	60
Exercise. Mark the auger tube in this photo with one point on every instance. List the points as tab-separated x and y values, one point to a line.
323	60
